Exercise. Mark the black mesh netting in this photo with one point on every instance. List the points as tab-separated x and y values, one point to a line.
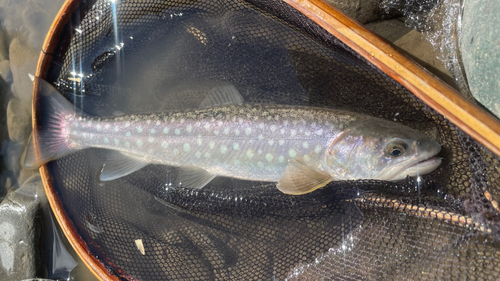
137	56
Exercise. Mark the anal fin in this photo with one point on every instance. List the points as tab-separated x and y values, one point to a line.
299	179
193	177
119	164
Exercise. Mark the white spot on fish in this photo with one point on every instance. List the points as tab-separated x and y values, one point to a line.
236	146
261	125
106	140
139	129
292	153
294	122
127	123
250	153
76	125
216	132
240	120
165	130
307	133
226	131
269	157
307	158
128	134
260	137
237	132
177	131
158	123
211	144
293	132
305	145
150	151
151	139
281	159
248	131
182	120
127	144
285	122
75	133
186	147
117	141
152	131
116	128
223	149
207	126
281	142
319	132
139	143
189	128
106	126
197	154
270	142
207	155
164	144
98	127
259	151
317	149
199	141
260	164
91	136
236	162
176	152
273	128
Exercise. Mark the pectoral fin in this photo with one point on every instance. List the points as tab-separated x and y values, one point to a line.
119	164
299	179
194	177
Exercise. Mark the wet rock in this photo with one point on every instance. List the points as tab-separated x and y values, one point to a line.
361	10
5	72
18	120
19	233
23	60
422	51
390	30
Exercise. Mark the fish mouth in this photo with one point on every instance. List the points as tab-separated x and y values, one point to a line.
422	167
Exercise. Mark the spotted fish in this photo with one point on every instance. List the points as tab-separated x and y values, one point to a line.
301	148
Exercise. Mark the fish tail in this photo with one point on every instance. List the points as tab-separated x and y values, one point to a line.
52	123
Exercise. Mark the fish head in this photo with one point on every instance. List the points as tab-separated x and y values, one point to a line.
379	149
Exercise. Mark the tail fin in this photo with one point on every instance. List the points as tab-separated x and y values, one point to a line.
52	137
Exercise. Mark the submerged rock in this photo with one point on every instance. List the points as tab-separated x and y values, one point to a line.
18	120
361	10
5	72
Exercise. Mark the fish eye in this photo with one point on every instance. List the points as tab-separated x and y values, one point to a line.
395	149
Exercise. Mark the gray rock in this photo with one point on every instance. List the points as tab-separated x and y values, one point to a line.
480	53
5	72
19	233
361	10
18	120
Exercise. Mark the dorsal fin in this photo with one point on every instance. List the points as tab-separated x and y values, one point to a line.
223	95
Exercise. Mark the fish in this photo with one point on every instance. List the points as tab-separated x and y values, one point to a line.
301	148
